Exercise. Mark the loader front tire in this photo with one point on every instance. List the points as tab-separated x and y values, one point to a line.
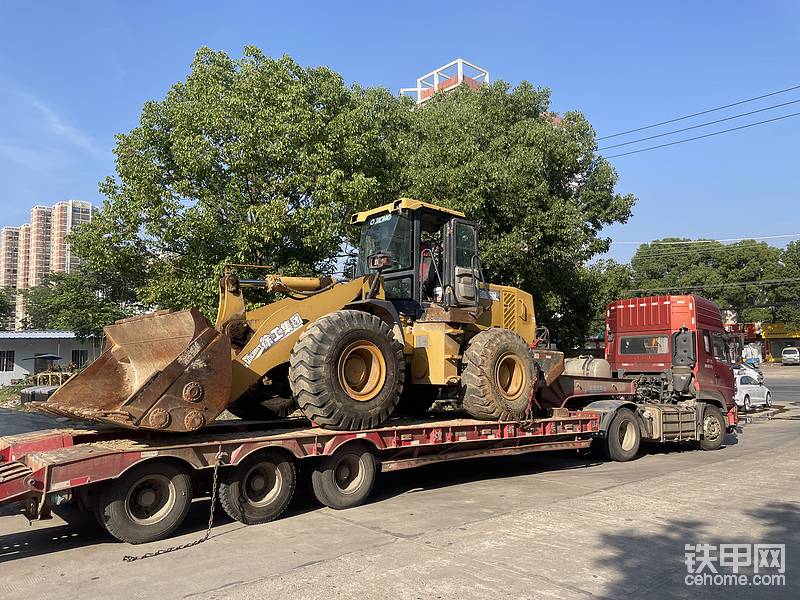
498	376
347	371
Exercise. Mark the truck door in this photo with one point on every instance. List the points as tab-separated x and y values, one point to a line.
717	365
463	261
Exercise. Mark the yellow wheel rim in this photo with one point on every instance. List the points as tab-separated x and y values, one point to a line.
362	370
510	376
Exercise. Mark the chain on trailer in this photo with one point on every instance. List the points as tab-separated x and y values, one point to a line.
217	463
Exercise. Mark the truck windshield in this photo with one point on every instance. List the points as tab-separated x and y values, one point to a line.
389	234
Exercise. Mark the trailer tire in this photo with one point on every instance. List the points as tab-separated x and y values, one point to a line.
622	437
347	371
345	478
259	488
713	428
498	377
146	503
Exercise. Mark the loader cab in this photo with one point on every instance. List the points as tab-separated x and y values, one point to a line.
433	250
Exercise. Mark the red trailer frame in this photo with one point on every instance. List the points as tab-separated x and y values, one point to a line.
34	466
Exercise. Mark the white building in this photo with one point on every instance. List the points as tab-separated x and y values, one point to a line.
19	352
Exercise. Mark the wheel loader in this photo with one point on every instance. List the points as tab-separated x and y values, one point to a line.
415	319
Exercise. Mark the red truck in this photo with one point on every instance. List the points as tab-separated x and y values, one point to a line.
675	347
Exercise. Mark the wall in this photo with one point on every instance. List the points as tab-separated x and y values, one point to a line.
27	348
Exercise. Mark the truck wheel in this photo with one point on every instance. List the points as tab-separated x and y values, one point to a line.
623	436
345	478
259	489
146	503
347	371
768	400
498	376
713	428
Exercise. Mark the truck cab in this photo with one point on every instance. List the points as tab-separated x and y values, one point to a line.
640	342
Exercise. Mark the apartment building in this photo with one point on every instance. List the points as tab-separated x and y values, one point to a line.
31	251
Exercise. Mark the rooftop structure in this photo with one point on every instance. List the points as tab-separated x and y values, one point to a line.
446	78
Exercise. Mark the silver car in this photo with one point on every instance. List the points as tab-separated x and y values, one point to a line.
750	393
790	356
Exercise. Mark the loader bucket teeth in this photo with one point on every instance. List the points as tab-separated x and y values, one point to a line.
165	371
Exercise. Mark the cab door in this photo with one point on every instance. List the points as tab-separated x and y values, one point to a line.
463	267
723	373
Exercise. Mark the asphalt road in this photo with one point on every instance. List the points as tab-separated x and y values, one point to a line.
550	525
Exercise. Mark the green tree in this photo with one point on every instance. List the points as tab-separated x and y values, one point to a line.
534	183
6	307
786	297
251	160
79	302
710	269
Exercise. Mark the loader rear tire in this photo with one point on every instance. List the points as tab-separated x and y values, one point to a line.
347	371
147	503
259	489
345	478
498	376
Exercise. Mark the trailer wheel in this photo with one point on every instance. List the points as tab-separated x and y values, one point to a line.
259	489
498	377
713	428
623	437
344	479
146	503
347	371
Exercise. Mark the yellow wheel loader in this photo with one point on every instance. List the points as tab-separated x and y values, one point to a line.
416	319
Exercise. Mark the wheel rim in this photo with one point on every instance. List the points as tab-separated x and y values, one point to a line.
348	473
362	370
150	499
711	428
262	483
510	376
627	435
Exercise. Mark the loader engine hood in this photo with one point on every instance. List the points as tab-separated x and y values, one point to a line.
165	371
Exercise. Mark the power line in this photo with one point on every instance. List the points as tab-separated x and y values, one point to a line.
700	137
766	283
659	135
682	242
697	114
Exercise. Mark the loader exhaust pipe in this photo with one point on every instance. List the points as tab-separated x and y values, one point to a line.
165	371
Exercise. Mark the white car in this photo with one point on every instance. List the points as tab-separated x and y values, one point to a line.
748	370
790	356
750	393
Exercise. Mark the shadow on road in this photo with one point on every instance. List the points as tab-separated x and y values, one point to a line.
652	565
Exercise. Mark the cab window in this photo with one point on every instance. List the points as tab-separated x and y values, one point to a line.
720	348
466	245
644	344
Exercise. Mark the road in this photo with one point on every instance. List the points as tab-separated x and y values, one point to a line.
539	526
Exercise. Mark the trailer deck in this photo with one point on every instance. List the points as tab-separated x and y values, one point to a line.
35	465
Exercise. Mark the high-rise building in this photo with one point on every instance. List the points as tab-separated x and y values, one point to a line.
66	215
40	248
31	251
9	256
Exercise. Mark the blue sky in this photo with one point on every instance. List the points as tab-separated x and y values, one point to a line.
73	74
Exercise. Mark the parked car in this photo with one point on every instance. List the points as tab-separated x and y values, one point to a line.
745	369
750	392
790	356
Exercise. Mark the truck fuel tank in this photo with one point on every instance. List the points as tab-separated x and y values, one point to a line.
587	366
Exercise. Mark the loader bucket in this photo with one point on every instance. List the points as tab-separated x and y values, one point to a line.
166	371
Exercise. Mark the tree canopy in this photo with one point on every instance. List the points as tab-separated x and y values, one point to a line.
259	160
81	302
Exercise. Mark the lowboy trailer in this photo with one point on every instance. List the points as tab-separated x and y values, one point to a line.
140	484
